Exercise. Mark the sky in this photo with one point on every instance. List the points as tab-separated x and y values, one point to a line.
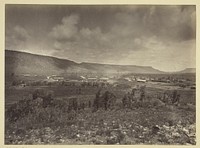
161	36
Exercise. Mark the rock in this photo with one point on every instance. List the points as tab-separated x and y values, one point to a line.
115	126
125	133
78	135
192	127
112	140
186	130
62	140
145	129
166	127
180	122
141	136
97	140
176	134
192	135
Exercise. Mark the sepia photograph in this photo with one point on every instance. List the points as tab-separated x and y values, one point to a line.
100	74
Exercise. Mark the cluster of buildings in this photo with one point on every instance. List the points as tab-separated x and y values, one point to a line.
156	79
94	79
137	78
55	78
81	79
181	81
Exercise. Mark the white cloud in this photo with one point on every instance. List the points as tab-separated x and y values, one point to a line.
141	35
67	29
16	38
167	57
20	33
131	40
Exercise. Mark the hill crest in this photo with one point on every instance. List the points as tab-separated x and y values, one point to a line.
23	62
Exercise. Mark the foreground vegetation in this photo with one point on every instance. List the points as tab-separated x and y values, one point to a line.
46	120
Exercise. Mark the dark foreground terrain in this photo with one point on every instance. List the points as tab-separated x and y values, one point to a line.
150	121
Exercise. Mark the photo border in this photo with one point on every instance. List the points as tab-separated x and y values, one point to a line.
94	2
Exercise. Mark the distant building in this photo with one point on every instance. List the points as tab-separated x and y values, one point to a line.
128	79
92	79
103	79
55	78
26	75
141	80
152	79
82	78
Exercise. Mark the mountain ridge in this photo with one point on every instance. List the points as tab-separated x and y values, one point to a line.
23	62
188	70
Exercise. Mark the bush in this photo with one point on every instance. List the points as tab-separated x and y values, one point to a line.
43	107
46	95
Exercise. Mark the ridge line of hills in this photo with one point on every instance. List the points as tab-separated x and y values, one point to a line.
23	62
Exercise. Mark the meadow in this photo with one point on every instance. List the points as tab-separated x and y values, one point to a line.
149	122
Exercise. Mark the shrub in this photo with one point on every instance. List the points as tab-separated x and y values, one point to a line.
42	107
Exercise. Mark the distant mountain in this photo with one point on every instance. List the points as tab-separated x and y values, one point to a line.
26	63
108	68
188	70
20	62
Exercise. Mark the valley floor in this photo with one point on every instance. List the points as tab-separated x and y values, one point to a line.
28	122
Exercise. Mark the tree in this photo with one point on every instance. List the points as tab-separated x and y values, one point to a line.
46	95
142	93
97	100
175	97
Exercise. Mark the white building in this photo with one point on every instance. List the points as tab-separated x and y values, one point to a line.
141	80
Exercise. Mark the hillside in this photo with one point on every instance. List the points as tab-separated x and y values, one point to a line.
21	62
188	70
107	68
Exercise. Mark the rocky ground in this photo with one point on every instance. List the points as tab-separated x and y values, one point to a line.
162	125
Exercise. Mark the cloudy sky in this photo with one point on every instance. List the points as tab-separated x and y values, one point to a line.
163	37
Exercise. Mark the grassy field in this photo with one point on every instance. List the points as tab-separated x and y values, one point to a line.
144	123
13	94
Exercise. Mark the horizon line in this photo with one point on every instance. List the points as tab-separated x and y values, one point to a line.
98	63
